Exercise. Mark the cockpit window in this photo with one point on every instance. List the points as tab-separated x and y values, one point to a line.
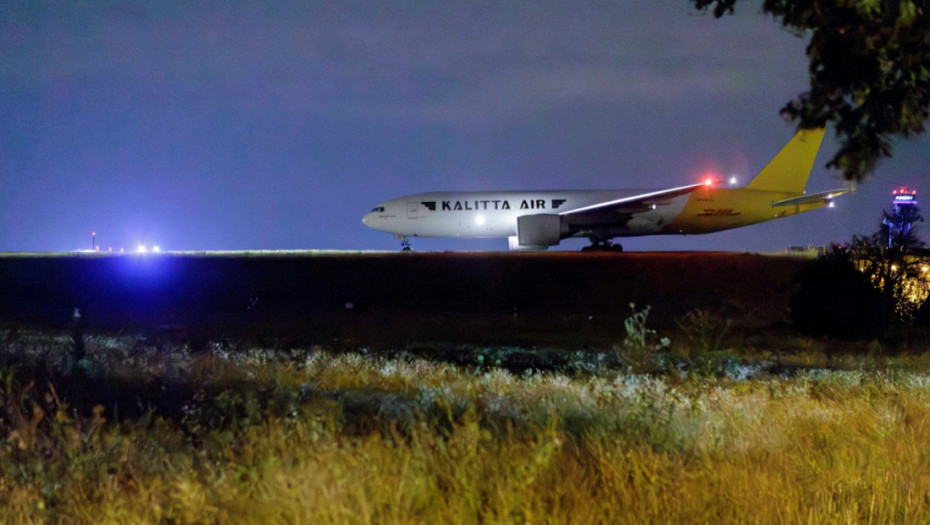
378	209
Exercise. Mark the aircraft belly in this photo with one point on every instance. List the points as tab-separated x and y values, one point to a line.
458	226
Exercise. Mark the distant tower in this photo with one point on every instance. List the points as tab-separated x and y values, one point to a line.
904	212
904	196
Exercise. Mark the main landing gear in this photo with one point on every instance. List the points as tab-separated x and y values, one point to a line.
602	246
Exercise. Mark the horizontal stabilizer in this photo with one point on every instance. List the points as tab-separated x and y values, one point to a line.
825	196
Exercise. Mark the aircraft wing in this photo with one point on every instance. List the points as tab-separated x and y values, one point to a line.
825	196
635	203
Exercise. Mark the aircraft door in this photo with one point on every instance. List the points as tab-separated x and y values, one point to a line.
413	209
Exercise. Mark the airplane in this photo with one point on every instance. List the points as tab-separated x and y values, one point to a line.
537	220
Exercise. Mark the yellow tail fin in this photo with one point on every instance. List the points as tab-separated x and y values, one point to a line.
789	170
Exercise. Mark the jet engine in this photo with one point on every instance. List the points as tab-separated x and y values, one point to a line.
538	232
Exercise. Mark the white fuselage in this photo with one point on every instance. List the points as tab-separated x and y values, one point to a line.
494	214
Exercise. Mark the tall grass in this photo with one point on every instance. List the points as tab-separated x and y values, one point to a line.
314	437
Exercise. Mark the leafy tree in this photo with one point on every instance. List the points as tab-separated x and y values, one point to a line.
869	71
895	272
893	263
890	259
863	288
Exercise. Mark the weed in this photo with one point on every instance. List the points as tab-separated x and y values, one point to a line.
705	330
640	342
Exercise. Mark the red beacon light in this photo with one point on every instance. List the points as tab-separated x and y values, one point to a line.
904	196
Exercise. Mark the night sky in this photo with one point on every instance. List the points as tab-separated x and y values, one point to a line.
277	125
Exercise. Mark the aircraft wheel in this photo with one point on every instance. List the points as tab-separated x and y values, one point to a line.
603	246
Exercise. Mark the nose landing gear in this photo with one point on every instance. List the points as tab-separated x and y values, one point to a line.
404	243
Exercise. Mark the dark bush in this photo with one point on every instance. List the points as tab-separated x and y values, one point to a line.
834	299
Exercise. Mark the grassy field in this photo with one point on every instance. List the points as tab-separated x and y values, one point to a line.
137	434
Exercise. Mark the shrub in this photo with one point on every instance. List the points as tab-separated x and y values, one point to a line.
705	330
834	299
640	342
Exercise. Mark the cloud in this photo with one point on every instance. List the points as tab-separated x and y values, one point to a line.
443	63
